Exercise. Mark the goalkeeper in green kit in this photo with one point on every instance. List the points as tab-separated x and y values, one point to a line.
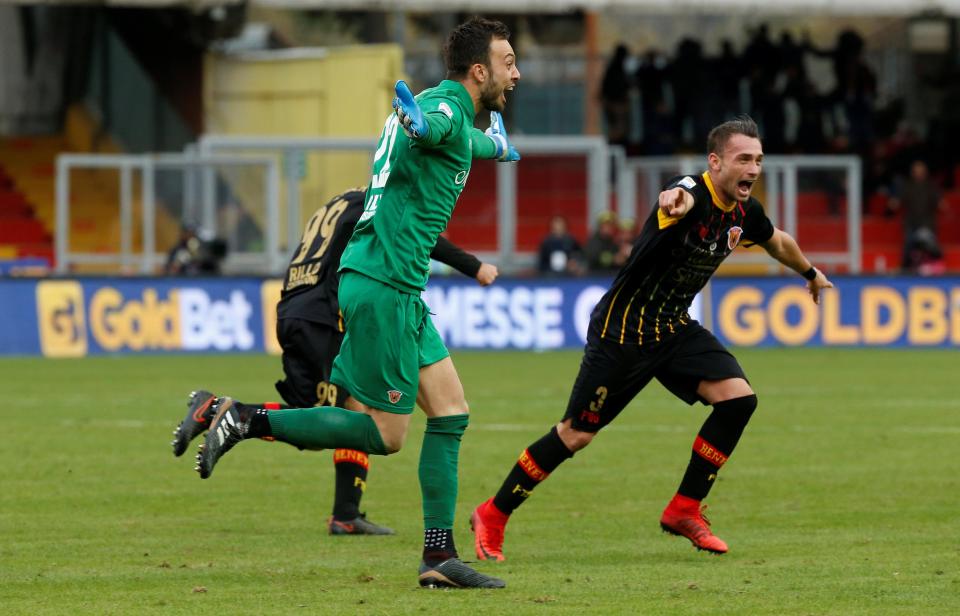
392	355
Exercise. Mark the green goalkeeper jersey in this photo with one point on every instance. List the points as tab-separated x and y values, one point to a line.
414	188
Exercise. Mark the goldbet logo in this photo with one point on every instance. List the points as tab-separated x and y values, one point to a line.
114	319
60	315
918	315
188	319
147	323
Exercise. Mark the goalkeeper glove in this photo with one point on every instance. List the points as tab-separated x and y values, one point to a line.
505	153
408	111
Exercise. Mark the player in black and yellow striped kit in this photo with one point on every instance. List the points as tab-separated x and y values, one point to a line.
641	330
310	331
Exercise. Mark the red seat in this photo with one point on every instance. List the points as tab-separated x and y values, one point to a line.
951	258
877	204
813	204
822	233
881	260
22	230
951	201
882	232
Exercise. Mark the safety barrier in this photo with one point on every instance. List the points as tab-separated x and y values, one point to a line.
93	316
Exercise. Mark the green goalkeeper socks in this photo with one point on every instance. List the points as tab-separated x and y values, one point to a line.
326	427
439	458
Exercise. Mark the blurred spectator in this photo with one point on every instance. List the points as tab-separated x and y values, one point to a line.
615	97
195	254
919	199
627	234
602	249
656	117
728	71
855	91
559	251
694	91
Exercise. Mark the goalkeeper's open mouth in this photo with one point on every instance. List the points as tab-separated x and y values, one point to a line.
503	95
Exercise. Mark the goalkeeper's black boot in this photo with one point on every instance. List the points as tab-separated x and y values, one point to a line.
359	525
229	426
199	413
453	573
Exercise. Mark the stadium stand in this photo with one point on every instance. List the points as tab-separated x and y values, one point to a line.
27	198
547	186
556	185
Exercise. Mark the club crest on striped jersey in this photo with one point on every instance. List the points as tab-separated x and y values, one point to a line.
733	237
394	396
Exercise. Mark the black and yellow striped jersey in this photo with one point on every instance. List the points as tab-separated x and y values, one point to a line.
671	261
310	285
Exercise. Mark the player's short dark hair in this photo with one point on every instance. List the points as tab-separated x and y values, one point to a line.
469	44
720	134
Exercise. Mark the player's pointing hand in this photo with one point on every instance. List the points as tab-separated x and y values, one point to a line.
675	202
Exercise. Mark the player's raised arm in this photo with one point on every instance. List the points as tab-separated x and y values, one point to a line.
782	247
425	128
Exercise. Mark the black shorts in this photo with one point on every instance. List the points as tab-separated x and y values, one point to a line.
308	352
611	374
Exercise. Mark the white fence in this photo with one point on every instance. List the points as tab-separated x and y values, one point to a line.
143	168
594	149
638	181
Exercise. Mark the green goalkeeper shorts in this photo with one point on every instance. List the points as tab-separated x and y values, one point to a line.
389	338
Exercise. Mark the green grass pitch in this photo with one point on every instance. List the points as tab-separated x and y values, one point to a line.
841	499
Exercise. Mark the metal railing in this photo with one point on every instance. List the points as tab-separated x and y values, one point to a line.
638	182
290	148
146	167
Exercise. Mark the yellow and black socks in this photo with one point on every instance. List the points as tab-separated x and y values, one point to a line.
714	444
439	458
326	427
351	468
534	465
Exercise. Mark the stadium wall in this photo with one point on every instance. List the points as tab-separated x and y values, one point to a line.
96	316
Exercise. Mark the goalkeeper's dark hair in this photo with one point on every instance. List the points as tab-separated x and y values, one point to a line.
741	125
469	44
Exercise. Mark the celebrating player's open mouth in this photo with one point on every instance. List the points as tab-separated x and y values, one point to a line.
743	189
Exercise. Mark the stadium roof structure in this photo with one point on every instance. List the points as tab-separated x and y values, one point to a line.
766	7
755	7
784	7
194	4
197	5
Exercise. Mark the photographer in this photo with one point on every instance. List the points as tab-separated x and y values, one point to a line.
195	254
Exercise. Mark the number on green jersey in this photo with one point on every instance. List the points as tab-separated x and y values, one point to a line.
381	166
